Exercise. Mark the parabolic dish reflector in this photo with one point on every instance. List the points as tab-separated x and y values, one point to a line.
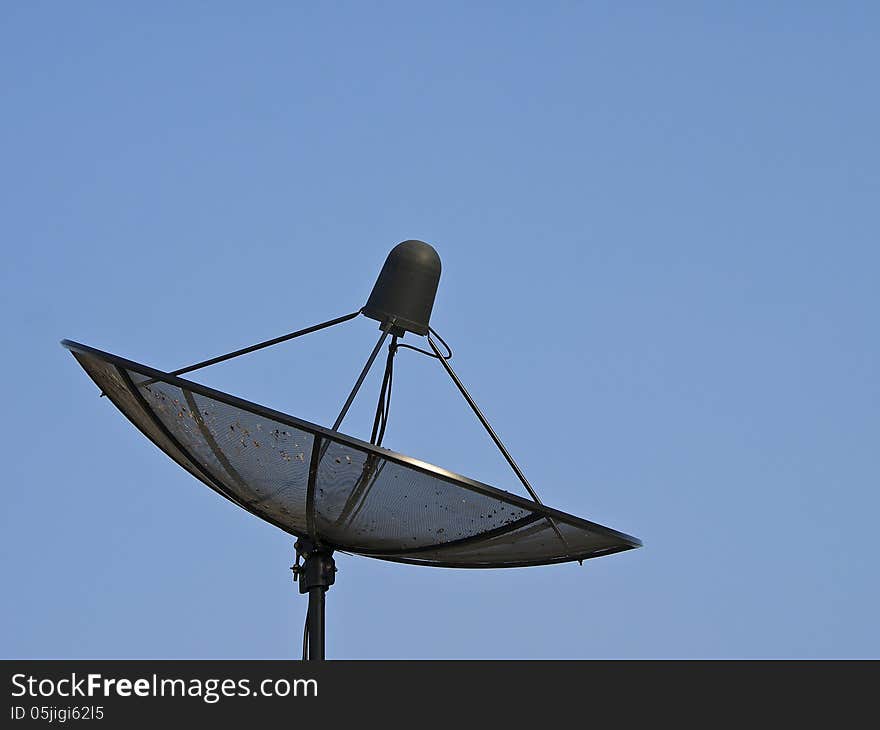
351	495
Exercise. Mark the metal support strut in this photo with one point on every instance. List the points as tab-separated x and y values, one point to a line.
315	576
360	381
486	425
254	348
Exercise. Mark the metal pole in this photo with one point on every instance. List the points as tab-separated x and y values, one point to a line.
315	576
316	623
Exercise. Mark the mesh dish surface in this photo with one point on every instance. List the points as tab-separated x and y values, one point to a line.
356	497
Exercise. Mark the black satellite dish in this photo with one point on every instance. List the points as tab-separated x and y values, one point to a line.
336	492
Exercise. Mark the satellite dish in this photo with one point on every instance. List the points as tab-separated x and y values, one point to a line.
336	492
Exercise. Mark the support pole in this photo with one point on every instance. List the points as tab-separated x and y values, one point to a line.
315	576
316	623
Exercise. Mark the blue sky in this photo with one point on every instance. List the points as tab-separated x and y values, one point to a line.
658	225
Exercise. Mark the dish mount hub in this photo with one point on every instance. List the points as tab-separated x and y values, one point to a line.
403	295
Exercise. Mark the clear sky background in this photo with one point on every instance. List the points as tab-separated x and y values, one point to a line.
659	231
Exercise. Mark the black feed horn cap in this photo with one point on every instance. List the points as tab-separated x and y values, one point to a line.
404	292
